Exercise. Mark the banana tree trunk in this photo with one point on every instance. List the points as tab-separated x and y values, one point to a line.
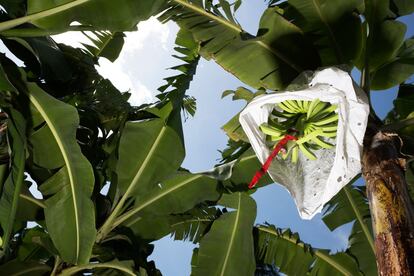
391	208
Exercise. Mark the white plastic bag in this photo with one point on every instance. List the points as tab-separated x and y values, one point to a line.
312	183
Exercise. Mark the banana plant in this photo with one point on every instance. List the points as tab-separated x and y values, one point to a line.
223	40
78	137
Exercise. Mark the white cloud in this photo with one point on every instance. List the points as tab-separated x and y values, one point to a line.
150	31
120	79
145	53
74	39
114	72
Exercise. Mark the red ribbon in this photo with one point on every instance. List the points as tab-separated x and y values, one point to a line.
266	165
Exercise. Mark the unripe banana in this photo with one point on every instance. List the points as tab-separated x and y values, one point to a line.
286	108
310	121
268	130
325	112
321	143
311	108
318	108
307	152
292	107
327	120
295	153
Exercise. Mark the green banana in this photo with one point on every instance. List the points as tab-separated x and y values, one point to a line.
311	108
295	153
293	107
329	119
311	121
282	115
329	134
310	136
324	113
330	127
306	105
275	124
268	130
307	152
318	108
321	143
298	104
286	108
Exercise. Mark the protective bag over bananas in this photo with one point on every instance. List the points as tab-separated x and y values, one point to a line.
331	113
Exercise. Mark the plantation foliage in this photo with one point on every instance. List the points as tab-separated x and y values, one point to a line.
72	132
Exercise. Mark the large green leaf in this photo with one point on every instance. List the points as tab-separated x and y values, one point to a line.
46	155
191	225
17	268
29	208
233	128
349	205
105	44
43	56
285	250
157	155
36	245
122	267
362	250
57	15
237	174
227	249
401	120
339	263
271	60
375	11
148	152
402	7
104	107
404	103
174	195
333	26
177	85
71	204
387	38
397	70
11	190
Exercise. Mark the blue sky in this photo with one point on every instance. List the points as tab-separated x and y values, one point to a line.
141	68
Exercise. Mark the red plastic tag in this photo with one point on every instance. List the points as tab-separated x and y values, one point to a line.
259	174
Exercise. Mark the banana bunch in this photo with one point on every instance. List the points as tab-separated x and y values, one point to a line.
310	121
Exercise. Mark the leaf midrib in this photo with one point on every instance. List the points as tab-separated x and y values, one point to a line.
31	269
38	15
151	200
338	52
233	234
105	43
359	218
111	222
49	12
14	201
191	221
236	28
318	253
73	270
68	163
